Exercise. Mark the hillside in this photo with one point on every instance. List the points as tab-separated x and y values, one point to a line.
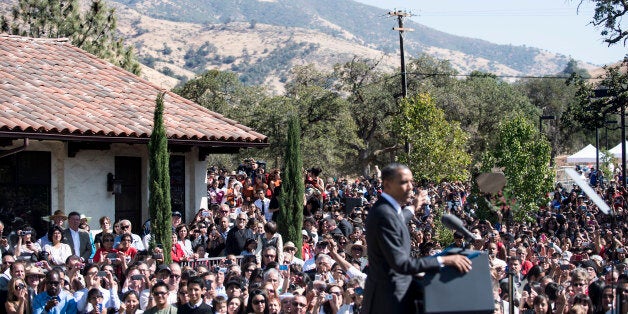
263	39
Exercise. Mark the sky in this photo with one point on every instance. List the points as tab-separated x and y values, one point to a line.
554	25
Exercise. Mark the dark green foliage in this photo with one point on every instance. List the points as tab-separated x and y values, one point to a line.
149	61
93	30
167	50
290	221
159	183
572	68
524	158
608	16
196	59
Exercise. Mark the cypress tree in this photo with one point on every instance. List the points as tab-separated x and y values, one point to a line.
290	220
159	183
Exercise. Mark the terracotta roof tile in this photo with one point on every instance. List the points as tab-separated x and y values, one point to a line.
48	86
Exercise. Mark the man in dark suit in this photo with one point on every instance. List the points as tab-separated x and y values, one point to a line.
196	303
390	287
76	238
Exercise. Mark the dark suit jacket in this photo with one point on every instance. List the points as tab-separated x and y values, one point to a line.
204	309
390	266
85	245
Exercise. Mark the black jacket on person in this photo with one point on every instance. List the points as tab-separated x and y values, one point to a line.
204	308
391	268
236	238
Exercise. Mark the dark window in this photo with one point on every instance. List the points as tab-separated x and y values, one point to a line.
177	184
25	190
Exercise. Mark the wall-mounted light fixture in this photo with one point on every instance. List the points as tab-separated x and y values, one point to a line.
114	185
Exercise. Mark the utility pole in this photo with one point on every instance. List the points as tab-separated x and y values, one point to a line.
404	85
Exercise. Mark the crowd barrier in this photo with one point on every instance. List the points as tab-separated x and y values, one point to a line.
209	262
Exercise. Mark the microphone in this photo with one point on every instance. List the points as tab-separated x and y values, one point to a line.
454	223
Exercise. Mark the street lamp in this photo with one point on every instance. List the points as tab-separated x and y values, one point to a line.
602	92
541	118
608	122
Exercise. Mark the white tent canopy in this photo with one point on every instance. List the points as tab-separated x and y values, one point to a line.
616	151
586	154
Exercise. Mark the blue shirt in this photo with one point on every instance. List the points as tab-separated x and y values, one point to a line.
66	304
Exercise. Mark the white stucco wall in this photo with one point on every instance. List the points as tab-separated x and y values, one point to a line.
80	183
85	177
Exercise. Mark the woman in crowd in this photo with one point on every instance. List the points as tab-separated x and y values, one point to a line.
273	238
106	247
18	301
95	304
58	251
25	243
130	303
105	226
234	306
176	252
257	302
184	242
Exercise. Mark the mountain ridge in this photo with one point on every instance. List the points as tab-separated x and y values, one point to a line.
262	40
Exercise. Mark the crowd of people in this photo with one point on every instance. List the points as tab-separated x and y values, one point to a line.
229	258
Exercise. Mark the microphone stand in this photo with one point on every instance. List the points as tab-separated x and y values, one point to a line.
511	292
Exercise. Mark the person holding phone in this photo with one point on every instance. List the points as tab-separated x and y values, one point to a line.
18	301
105	248
95	302
96	279
54	299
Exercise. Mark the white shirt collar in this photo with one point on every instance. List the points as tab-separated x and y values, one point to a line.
392	201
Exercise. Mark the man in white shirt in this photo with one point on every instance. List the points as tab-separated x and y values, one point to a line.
263	204
78	239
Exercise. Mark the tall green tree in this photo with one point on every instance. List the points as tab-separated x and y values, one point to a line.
93	30
608	16
372	97
553	96
438	146
159	183
524	157
290	220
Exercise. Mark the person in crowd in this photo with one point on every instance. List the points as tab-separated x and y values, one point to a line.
94	279
57	250
18	301
237	236
159	293
234	306
257	302
54	299
126	228
183	240
176	252
106	249
289	250
105	227
299	304
78	240
196	303
26	244
263	204
176	218
389	246
130	303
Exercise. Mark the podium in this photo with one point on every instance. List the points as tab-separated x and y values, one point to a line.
450	291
